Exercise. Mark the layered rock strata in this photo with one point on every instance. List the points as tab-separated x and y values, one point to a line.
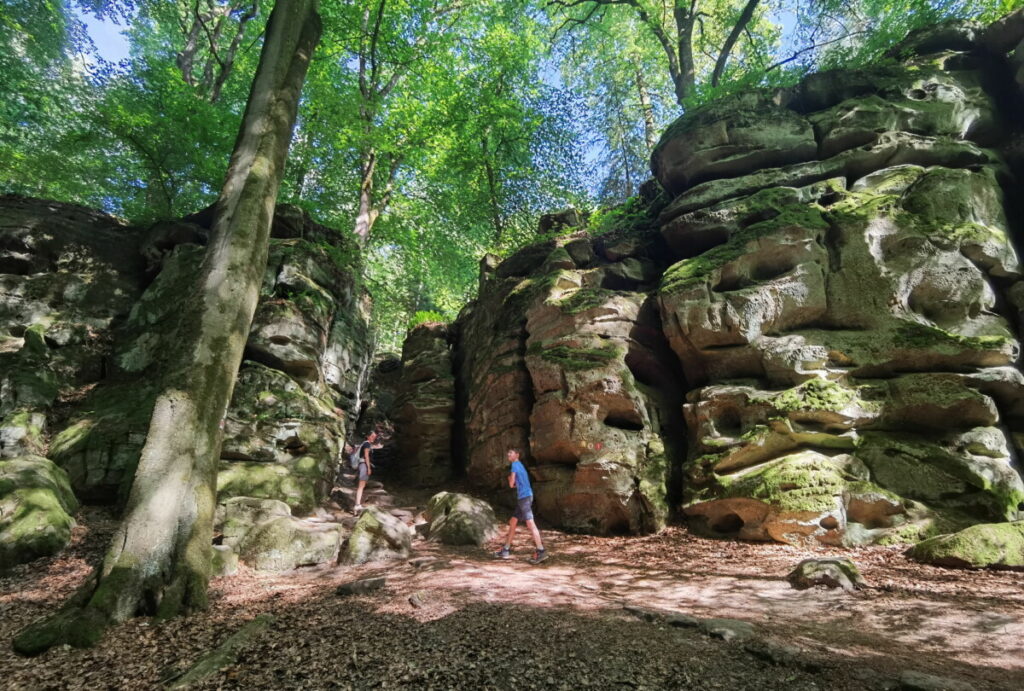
89	310
844	301
812	333
425	407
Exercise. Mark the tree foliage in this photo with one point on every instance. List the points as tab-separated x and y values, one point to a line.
436	130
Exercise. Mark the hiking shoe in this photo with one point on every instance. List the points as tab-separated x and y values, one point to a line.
538	556
503	553
357	508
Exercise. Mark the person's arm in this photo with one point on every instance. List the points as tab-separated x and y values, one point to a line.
366	457
512	479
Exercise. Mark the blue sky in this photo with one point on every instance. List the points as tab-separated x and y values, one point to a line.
110	43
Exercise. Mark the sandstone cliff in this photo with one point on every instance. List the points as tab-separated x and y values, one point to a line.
812	331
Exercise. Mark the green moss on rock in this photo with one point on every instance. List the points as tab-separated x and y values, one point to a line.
574	359
979	546
36	504
802	482
815	394
296	484
584	299
777	205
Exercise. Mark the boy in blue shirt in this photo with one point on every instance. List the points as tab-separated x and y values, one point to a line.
520	481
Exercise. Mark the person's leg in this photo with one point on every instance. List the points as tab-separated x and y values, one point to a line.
532	525
512	522
363	477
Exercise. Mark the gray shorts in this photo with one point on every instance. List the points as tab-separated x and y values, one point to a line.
524	509
364	474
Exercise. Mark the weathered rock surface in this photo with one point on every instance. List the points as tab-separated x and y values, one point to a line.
831	573
279	441
425	407
832	267
979	546
459	519
74	314
284	543
377	536
36	505
845	316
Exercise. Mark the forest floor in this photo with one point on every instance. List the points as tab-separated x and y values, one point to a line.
483	623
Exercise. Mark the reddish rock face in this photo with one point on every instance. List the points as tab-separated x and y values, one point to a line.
832	269
425	408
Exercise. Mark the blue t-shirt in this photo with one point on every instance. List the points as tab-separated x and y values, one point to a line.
522	480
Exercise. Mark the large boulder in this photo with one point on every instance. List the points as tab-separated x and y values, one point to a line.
307	362
832	268
979	546
36	505
459	519
236	516
377	536
897	277
728	138
283	543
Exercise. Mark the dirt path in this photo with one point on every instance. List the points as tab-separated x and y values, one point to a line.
506	624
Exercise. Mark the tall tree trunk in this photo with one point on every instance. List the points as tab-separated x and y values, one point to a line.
159	558
650	129
492	192
730	42
367	214
685	79
229	57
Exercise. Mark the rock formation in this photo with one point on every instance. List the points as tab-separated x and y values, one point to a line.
810	333
86	306
425	407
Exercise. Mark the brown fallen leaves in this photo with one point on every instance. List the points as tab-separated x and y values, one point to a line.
506	624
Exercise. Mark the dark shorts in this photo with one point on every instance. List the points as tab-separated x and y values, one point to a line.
363	474
524	509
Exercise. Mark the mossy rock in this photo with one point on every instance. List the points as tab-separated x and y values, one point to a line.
36	504
574	359
100	446
299	484
285	543
800	482
781	209
979	546
459	519
377	536
22	433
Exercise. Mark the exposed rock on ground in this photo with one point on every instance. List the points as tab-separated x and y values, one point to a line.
983	545
36	509
459	519
377	536
831	573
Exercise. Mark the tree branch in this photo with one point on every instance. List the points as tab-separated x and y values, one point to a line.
723	57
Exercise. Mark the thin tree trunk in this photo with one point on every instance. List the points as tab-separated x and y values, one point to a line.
492	192
229	56
723	57
366	215
186	58
685	79
650	129
159	558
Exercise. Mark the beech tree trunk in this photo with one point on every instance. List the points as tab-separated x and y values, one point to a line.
160	557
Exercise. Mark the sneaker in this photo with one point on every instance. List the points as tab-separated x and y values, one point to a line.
503	553
538	556
357	508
